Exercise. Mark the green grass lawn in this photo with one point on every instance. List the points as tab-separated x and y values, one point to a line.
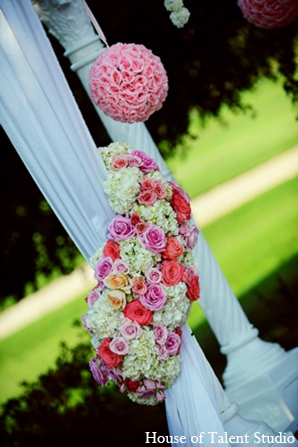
223	152
249	244
255	239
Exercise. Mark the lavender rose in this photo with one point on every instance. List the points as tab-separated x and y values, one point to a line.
153	275
190	234
173	343
148	164
161	333
120	266
99	374
154	299
102	268
153	239
121	229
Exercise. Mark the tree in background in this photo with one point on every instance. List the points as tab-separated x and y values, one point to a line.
210	61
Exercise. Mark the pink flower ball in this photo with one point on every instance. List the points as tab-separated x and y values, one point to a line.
269	13
128	82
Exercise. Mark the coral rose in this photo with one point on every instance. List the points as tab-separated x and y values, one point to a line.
181	207
172	273
173	249
193	289
135	311
147	198
111	250
108	357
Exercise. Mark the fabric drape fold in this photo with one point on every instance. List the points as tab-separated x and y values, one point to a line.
44	124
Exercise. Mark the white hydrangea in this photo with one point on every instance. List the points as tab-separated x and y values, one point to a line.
122	188
176	310
142	356
160	214
180	18
95	257
139	258
142	400
112	150
187	258
102	319
173	5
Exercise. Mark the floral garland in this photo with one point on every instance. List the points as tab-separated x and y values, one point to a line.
128	82
269	14
147	278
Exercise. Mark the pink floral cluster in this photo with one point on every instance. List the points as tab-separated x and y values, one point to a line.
128	82
139	296
269	13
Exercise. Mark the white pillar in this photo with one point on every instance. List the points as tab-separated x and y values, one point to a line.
250	360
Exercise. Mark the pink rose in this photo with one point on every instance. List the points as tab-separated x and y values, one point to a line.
139	286
148	164
161	333
172	273
173	249
147	198
134	161
153	276
130	329
141	227
121	229
153	239
190	234
120	266
154	299
119	162
162	353
160	190
93	296
119	345
147	184
147	389
99	373
102	268
173	343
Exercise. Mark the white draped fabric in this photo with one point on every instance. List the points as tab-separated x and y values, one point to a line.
44	124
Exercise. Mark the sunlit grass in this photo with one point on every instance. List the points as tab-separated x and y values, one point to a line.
223	152
255	240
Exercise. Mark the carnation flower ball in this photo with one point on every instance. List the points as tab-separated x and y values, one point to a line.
269	13
128	82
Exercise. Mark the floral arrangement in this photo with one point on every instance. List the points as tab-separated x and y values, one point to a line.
147	278
128	82
269	13
179	14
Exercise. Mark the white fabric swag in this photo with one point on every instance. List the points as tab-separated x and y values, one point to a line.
41	118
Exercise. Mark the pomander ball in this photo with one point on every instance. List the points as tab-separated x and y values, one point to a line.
269	13
128	82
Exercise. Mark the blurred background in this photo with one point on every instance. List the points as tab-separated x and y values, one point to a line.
231	109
